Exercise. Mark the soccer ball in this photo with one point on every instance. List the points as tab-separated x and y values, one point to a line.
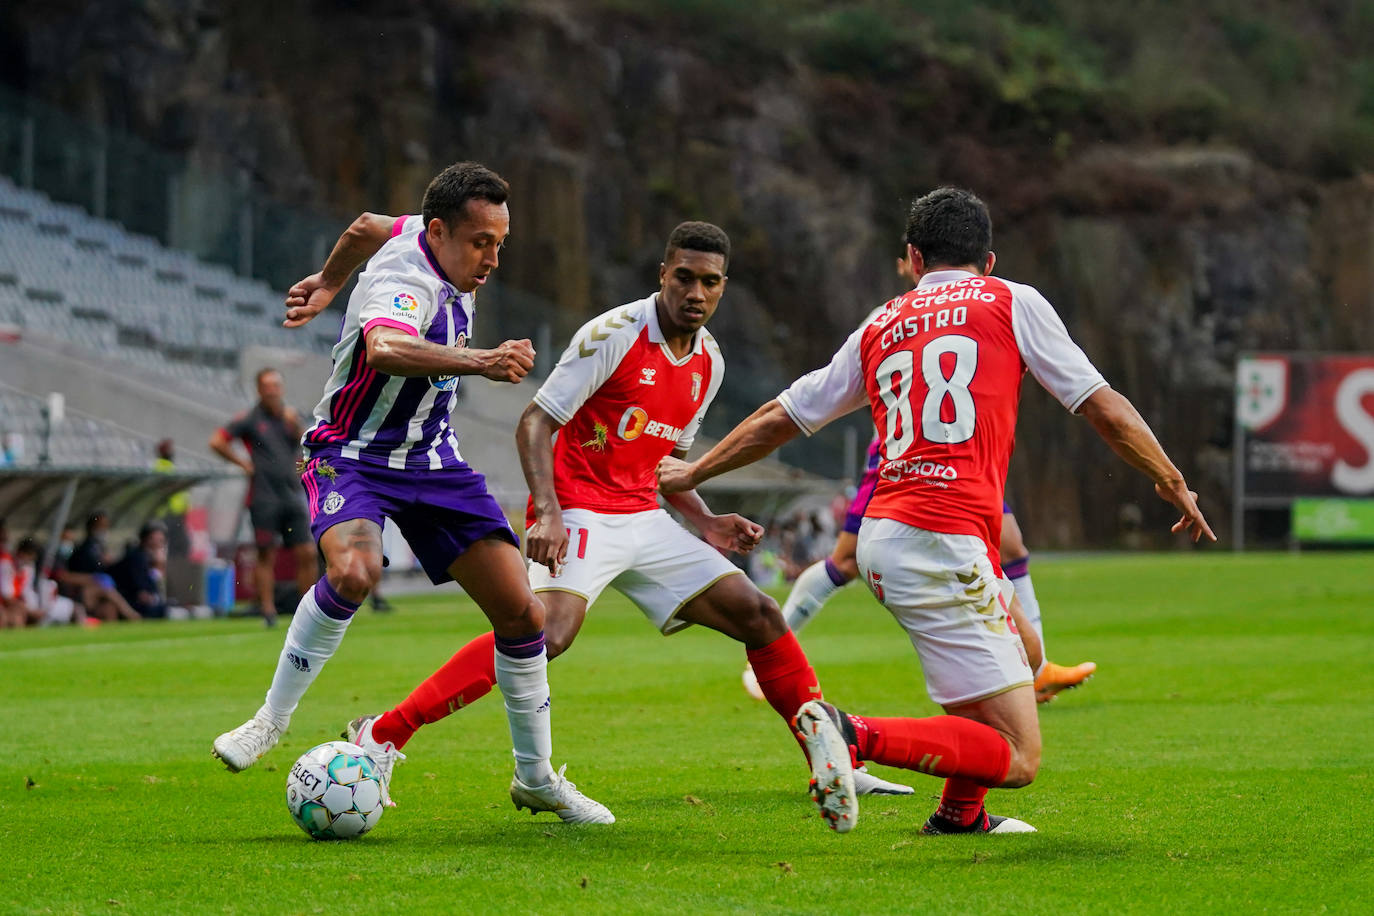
334	793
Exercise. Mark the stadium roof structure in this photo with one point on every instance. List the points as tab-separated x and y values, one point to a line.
80	464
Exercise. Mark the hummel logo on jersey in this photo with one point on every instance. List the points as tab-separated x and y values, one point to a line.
299	662
647	376
696	386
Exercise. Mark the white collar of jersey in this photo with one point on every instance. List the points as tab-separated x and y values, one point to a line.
936	277
656	333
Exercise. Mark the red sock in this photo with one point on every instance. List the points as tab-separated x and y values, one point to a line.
938	745
785	676
464	679
961	801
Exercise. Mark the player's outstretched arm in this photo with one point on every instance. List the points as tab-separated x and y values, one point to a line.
757	436
546	541
397	352
360	241
1121	426
724	532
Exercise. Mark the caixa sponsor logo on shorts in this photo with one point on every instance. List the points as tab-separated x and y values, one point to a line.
914	468
634	422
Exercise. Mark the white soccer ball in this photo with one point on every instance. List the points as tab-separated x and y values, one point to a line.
334	793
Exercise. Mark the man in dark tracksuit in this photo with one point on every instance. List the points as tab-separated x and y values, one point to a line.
271	432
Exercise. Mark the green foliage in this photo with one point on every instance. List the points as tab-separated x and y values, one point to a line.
1291	80
1212	765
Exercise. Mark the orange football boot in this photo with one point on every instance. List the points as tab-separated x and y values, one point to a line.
1054	678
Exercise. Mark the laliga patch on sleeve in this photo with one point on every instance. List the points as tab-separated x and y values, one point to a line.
404	304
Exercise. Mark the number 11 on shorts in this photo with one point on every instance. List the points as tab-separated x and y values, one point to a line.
581	534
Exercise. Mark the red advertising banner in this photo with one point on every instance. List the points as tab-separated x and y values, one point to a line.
1308	422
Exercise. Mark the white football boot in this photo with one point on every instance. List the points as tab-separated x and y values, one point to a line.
385	754
242	747
865	783
983	823
832	769
562	798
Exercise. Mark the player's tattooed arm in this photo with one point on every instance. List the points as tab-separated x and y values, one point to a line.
724	532
756	437
396	352
1119	424
360	241
546	541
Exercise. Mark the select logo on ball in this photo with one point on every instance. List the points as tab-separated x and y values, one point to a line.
632	423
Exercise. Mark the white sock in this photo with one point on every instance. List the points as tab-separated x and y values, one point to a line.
524	683
311	640
1025	591
809	594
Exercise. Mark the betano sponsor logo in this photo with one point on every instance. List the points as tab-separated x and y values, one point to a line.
634	422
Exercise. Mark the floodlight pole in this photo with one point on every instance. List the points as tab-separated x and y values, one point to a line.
1238	487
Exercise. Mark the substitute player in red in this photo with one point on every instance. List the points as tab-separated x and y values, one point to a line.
941	368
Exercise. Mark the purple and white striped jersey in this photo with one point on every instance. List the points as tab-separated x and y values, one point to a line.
385	420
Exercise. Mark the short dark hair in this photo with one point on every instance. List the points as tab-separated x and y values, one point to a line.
461	182
950	227
28	545
94	519
257	380
697	236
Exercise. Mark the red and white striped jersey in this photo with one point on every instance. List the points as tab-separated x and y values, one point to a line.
625	403
941	367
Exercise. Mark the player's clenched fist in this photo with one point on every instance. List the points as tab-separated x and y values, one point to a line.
674	476
732	532
510	362
307	299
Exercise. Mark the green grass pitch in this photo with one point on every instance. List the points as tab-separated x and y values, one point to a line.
1220	761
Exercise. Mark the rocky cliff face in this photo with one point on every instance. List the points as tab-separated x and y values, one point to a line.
1165	261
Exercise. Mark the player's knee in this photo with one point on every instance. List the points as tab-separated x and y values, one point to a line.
761	622
356	576
1025	764
1012	548
527	616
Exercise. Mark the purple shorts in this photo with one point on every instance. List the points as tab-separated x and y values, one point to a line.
441	513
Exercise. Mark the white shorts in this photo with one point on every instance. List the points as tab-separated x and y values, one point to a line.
943	591
646	556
